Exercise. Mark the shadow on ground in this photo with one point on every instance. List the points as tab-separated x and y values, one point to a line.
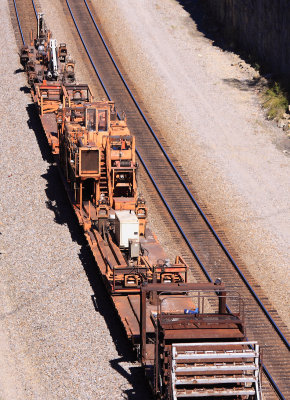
205	23
58	202
245	84
18	71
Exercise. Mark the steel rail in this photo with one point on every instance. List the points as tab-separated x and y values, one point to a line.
34	8
252	291
18	20
19	25
272	381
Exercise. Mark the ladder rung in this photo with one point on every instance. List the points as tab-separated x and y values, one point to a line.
192	356
200	381
217	368
215	392
214	344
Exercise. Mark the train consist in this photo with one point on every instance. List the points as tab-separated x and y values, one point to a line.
190	344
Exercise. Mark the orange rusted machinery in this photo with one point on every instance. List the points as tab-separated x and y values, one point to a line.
97	157
62	52
44	60
190	345
35	58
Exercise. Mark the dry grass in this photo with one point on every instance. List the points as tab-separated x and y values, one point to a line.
275	101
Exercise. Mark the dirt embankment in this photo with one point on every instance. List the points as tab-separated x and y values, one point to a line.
260	27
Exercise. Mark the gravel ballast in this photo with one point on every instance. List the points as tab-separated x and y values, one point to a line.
54	343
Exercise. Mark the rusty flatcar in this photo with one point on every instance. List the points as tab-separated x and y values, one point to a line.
190	344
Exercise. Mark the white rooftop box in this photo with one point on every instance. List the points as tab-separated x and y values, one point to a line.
126	227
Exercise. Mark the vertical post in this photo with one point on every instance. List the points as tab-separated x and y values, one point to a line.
97	192
153	296
222	302
156	361
81	195
143	323
75	191
113	279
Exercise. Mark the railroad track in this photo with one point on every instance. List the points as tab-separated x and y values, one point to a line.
25	12
207	250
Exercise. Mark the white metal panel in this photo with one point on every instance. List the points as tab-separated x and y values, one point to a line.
187	361
127	227
209	355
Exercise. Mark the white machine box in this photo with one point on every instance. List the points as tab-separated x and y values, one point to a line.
126	227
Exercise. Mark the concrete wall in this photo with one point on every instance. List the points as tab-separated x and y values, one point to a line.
261	27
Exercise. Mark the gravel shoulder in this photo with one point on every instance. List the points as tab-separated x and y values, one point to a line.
205	104
54	342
